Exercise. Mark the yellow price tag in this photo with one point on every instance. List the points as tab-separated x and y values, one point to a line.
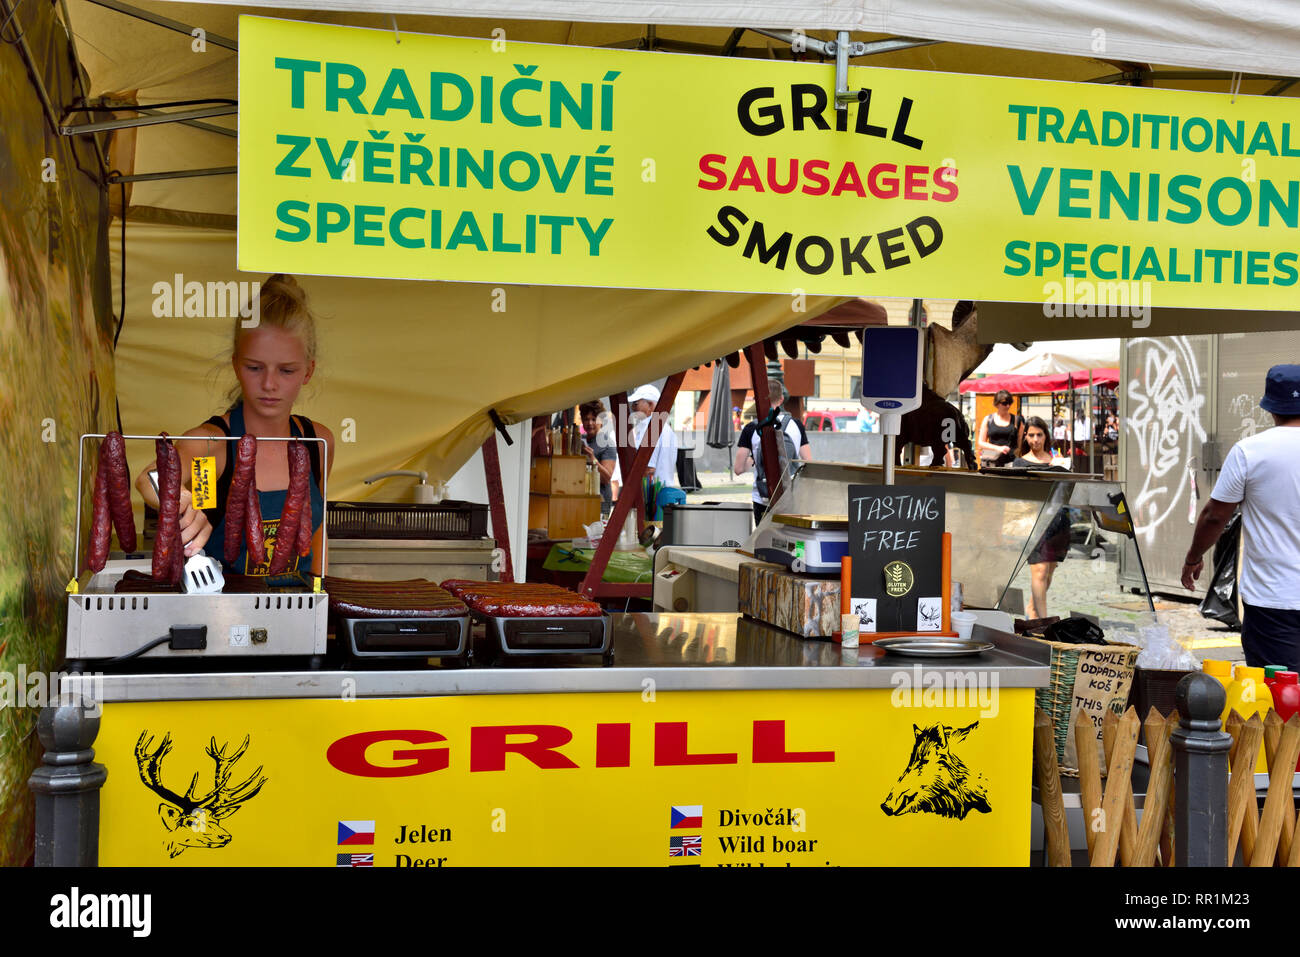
73	587
315	584
203	481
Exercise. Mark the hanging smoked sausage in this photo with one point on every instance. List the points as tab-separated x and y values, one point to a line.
253	526
178	547
304	528
237	501
286	536
113	454
169	494
101	528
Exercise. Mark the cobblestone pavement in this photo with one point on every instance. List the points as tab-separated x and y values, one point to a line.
1081	584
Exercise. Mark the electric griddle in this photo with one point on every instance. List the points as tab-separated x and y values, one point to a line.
533	621
399	620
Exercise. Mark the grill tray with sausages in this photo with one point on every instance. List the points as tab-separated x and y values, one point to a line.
530	619
403	619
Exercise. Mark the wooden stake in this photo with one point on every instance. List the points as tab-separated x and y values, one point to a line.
1160	756
1167	837
1279	803
1272	734
1049	791
1241	784
1118	785
1128	823
1085	742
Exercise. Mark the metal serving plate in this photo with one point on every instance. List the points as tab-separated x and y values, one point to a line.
933	647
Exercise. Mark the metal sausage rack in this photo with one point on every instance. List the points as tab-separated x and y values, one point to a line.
107	625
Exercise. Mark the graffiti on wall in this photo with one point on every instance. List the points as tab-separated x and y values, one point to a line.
1167	404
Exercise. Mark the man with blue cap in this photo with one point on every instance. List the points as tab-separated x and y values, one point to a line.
1262	473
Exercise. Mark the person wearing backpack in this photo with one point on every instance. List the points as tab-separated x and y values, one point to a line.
792	444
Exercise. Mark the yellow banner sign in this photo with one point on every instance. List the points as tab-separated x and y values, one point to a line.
495	161
738	778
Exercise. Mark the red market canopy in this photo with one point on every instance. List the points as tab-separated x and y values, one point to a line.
1040	384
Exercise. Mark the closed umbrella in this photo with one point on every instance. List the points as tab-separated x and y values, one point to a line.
721	431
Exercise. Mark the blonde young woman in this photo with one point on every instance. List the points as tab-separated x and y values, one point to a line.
272	362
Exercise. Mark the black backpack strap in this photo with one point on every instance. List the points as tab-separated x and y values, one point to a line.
309	432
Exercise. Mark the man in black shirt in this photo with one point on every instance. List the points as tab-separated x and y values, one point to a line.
749	448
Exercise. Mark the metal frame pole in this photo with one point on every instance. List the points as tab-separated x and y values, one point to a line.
763	405
593	585
497	502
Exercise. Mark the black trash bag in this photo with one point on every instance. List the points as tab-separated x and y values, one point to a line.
688	480
1220	601
1075	631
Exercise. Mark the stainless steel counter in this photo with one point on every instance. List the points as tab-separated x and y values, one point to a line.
707	652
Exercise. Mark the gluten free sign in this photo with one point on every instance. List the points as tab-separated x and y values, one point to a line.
896	543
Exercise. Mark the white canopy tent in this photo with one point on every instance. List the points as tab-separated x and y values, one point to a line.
175	182
1051	358
1252	36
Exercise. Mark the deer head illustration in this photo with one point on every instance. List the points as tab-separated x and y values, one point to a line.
935	779
195	821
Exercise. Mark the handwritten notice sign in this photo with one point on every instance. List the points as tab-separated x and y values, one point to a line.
896	542
1101	684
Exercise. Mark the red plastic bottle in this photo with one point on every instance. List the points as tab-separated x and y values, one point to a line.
1270	672
1286	696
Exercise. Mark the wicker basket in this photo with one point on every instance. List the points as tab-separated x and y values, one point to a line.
1057	700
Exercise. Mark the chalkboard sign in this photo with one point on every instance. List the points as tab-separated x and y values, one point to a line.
896	543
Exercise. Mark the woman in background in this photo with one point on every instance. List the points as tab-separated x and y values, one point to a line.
1055	543
1001	433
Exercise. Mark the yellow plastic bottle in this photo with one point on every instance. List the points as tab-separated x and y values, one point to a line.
1249	695
1221	671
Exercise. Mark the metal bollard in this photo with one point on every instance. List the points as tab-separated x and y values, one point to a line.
67	786
1200	774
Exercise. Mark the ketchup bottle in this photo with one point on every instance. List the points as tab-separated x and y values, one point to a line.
1286	696
1269	672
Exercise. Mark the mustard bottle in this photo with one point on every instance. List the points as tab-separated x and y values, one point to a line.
1219	670
1249	695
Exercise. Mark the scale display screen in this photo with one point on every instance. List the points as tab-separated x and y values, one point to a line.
891	369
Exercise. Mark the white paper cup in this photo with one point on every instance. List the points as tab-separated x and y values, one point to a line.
849	625
963	622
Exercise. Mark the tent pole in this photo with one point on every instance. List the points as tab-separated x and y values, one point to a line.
497	502
622	432
1092	428
763	405
592	584
154	119
162	21
174	174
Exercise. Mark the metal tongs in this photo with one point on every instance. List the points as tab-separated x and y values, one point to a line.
201	575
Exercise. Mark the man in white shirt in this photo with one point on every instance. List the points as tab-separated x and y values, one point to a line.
663	460
1262	472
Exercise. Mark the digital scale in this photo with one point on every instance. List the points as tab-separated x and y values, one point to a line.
806	544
